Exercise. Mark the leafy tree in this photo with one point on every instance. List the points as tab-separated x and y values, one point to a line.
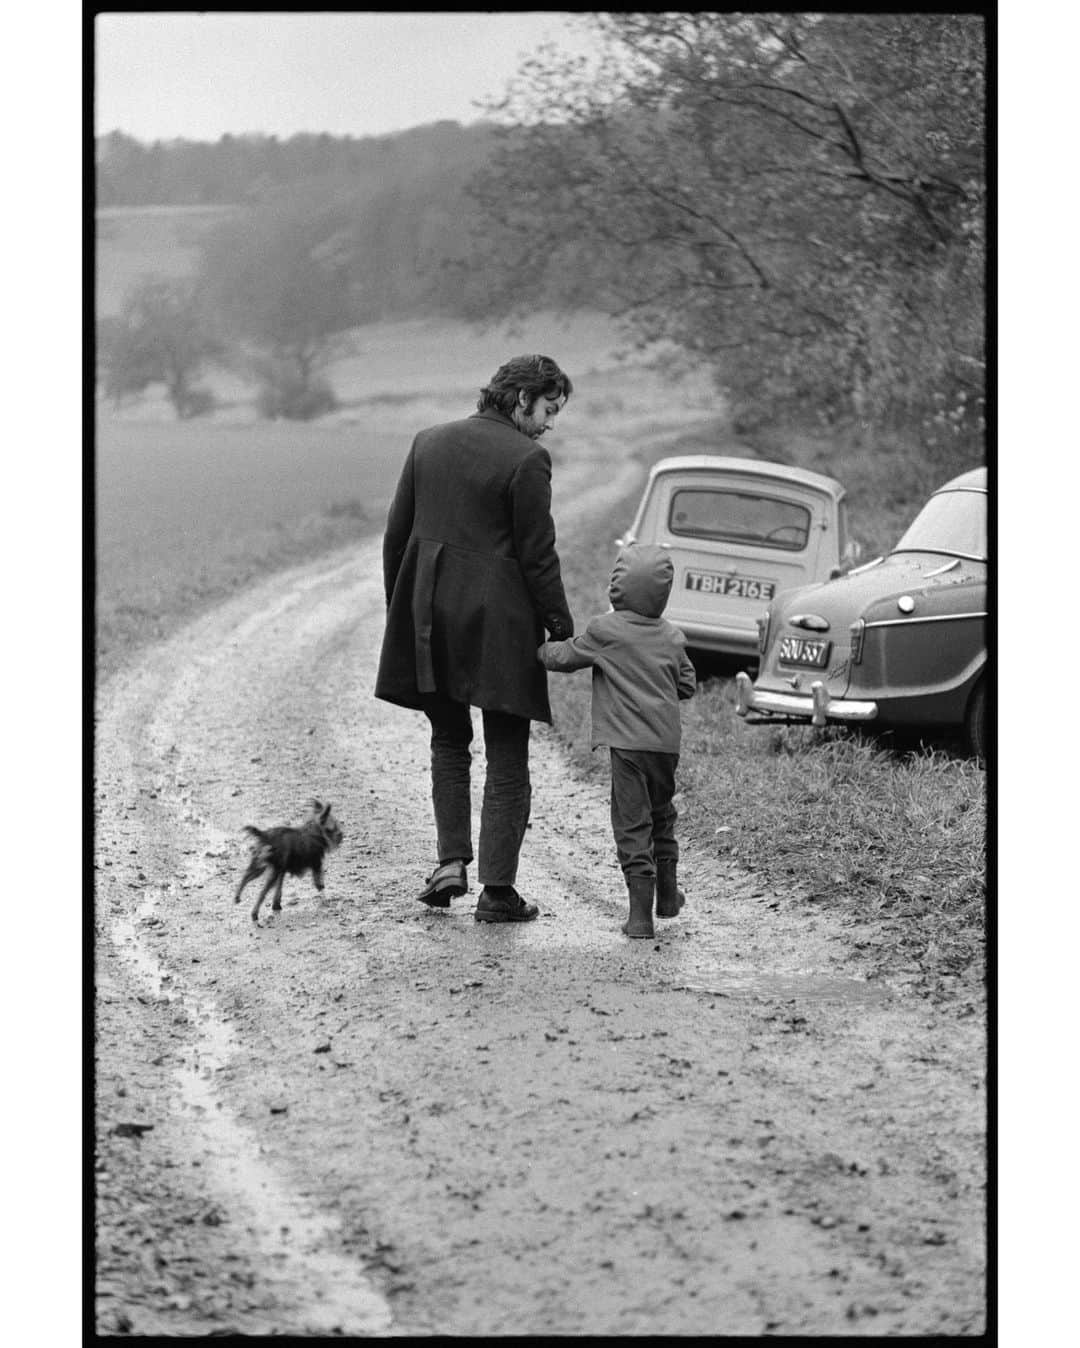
161	335
279	277
798	199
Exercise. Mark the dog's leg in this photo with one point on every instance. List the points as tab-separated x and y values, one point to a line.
265	890
275	907
249	875
317	876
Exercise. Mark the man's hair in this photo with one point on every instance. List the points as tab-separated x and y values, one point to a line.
536	375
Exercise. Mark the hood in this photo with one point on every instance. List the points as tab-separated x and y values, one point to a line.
641	580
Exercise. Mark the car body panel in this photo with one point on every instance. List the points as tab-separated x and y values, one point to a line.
740	531
922	613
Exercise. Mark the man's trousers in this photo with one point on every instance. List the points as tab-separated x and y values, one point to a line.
507	796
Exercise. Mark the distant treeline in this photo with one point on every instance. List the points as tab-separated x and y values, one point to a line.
238	169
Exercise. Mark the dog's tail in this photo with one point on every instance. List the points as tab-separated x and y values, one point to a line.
255	832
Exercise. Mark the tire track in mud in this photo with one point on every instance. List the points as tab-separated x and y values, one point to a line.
299	1037
148	747
284	1233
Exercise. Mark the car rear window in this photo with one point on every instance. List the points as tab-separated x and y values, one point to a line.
952	522
739	517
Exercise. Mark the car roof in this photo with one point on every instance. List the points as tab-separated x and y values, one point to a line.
973	480
755	467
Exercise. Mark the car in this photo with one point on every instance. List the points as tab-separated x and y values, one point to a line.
898	642
740	532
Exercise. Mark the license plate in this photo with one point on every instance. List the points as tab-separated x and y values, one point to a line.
741	587
804	651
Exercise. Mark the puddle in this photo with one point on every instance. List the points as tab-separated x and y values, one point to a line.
797	986
291	1236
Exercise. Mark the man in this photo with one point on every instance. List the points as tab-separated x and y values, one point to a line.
472	580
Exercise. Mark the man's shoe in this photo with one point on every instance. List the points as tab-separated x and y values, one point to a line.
446	882
505	905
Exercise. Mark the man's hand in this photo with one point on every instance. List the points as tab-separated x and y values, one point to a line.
558	628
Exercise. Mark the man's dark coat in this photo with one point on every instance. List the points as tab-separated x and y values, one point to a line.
471	572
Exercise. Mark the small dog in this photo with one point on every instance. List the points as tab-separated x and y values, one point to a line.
290	851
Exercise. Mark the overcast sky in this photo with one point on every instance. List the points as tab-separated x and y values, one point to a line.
159	76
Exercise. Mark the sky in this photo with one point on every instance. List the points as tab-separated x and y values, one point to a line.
200	75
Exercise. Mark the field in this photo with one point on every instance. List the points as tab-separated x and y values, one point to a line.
188	511
184	514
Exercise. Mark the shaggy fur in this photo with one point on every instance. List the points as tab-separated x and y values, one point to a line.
290	851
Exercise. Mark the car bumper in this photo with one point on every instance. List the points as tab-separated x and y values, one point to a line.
818	707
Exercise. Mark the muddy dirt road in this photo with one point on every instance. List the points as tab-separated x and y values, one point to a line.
365	1117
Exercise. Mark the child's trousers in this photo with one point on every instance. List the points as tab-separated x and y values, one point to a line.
642	814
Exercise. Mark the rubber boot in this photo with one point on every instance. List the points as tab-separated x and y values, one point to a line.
639	925
669	897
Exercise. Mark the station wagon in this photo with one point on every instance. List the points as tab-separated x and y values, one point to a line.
740	532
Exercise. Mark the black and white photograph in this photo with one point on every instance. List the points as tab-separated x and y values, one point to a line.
542	658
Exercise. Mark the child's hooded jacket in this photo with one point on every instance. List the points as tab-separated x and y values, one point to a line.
639	661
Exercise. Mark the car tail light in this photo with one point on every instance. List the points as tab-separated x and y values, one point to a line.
858	632
763	631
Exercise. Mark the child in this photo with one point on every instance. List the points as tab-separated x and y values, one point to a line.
640	672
